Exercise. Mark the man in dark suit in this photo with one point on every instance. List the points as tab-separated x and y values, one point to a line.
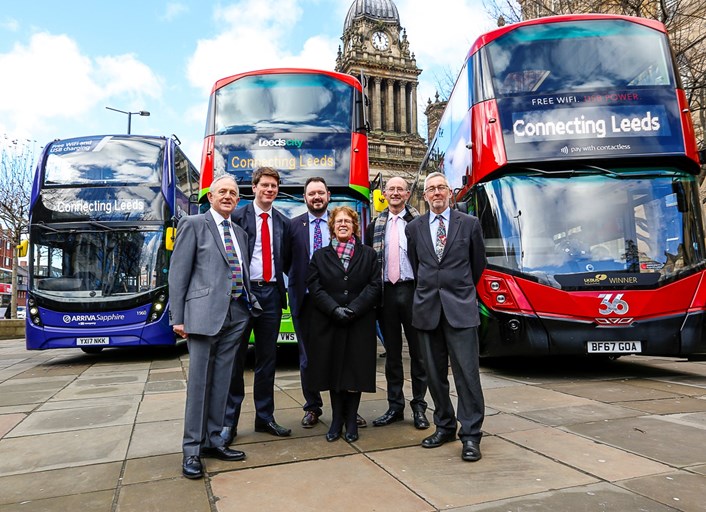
447	253
209	272
386	235
268	234
309	233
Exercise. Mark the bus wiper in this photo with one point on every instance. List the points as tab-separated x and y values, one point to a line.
602	170
290	196
102	226
48	228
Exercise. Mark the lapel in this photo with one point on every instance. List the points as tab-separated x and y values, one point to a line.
245	264
215	231
276	236
426	234
333	258
303	232
250	227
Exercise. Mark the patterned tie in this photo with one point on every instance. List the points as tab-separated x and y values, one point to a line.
236	270
440	237
318	239
393	253
266	249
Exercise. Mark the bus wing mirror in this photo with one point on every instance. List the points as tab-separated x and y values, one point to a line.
22	248
379	201
169	238
462	206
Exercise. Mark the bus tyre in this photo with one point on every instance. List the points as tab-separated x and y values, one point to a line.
92	350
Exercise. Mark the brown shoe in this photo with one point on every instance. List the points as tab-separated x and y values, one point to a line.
360	421
310	419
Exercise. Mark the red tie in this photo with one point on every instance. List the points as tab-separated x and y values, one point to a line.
266	249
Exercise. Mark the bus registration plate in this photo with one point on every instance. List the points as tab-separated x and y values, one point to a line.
97	340
287	337
614	347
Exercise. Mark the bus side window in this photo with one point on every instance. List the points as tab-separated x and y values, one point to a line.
181	169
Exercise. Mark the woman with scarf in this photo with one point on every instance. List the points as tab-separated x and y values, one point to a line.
344	283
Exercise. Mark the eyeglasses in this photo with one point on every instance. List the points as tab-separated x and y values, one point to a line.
342	221
396	189
437	188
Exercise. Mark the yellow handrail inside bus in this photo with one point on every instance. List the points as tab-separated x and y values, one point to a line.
379	201
22	248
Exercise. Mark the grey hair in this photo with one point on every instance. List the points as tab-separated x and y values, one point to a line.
225	176
435	175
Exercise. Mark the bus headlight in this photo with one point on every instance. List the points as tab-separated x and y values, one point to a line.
159	305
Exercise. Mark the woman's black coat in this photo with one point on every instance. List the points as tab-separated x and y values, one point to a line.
343	357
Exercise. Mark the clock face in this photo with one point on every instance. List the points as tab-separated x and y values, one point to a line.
380	41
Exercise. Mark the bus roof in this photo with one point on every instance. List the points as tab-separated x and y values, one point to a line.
350	80
491	36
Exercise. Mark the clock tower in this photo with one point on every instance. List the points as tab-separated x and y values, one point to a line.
376	45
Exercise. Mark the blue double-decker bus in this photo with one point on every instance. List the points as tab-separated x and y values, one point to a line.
102	220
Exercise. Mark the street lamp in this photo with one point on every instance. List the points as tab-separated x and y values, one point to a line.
129	116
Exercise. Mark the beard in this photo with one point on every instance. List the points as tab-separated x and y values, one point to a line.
317	208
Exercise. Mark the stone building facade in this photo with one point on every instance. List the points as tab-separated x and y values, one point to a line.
376	46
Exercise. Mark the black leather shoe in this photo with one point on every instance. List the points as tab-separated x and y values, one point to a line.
228	434
351	438
310	419
273	428
471	451
333	436
438	438
191	467
360	421
223	453
389	417
420	420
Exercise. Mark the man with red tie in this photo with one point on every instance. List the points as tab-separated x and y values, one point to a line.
268	234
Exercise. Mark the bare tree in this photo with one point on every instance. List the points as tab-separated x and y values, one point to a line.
16	172
685	21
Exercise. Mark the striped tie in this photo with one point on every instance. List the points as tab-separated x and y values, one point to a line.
236	270
440	237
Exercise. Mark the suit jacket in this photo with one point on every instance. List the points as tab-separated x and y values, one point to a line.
298	261
245	218
449	283
200	275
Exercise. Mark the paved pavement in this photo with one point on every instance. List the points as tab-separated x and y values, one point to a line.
103	432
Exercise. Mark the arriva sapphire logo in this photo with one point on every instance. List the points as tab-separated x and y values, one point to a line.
93	318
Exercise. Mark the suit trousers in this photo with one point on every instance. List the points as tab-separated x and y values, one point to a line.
210	370
461	346
312	398
397	314
266	329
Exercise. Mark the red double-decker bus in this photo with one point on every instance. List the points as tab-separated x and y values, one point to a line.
570	138
302	122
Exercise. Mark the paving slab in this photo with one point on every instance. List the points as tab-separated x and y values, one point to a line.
31	390
42	485
651	437
101	501
89	403
64	449
612	391
343	483
440	476
592	411
156	438
668	405
670	387
175	495
519	399
589	498
10	421
84	390
680	490
162	406
150	469
502	422
604	462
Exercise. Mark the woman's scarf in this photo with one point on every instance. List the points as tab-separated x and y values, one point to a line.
344	250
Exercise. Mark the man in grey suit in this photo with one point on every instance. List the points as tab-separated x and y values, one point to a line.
210	306
447	253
